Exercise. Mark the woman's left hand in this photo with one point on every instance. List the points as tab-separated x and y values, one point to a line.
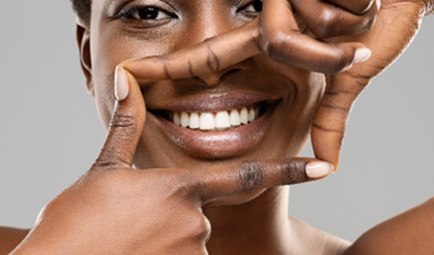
397	24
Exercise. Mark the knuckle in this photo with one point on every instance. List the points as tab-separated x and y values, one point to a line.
178	184
324	22
322	31
251	175
277	46
200	227
179	190
213	61
122	120
340	63
293	170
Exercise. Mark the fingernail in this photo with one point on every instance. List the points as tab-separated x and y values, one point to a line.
121	84
361	55
318	169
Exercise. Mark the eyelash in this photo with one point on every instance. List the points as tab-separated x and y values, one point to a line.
149	15
257	8
145	13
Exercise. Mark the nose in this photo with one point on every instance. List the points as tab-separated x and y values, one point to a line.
214	21
211	80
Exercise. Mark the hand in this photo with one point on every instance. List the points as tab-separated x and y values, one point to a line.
116	209
280	38
396	26
285	41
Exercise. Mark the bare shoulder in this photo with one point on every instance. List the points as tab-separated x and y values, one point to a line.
10	238
408	233
411	232
317	241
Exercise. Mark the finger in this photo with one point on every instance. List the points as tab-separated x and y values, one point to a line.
126	125
358	7
210	56
325	20
387	43
283	42
330	120
255	175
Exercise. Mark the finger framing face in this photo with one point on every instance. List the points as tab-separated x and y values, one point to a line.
215	182
126	125
327	20
210	56
282	41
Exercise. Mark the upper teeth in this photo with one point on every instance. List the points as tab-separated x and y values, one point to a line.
215	121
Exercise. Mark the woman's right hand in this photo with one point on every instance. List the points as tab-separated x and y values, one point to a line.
116	209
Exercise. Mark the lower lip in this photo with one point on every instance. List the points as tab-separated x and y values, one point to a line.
216	144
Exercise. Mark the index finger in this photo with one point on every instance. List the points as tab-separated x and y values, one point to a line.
212	55
215	182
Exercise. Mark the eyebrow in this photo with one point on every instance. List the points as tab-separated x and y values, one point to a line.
112	6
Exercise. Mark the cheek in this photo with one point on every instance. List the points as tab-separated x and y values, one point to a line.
107	53
307	98
306	103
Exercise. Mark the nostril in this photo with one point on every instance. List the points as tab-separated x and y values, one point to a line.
231	72
214	79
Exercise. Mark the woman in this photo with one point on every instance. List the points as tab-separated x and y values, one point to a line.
160	210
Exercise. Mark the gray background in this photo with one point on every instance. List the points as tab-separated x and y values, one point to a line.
50	133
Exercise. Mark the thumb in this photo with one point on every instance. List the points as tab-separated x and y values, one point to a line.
126	125
387	40
330	120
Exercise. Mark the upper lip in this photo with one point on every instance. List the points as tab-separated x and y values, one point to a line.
214	102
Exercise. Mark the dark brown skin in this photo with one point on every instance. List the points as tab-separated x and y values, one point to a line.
169	206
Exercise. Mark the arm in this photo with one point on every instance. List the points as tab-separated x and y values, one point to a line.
411	232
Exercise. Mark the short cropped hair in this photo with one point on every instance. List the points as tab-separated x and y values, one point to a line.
82	9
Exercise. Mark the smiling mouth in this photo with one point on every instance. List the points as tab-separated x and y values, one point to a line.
215	126
217	120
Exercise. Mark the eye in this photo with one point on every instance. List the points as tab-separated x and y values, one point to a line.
145	13
252	8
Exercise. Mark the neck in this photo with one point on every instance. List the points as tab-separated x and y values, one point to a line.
260	226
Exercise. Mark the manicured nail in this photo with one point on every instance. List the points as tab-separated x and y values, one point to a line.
318	169
121	84
362	55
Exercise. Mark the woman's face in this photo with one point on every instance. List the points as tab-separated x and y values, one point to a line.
276	101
